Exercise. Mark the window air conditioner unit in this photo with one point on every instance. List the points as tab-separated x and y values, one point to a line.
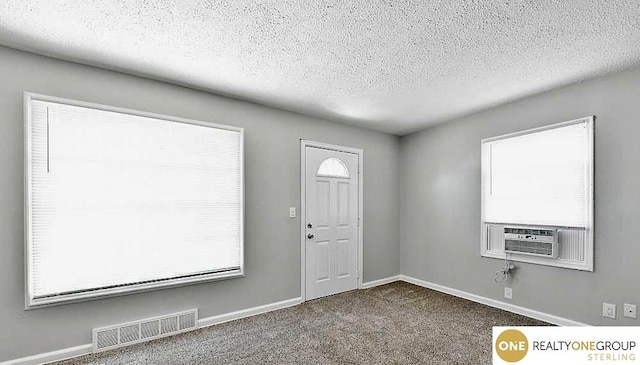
531	241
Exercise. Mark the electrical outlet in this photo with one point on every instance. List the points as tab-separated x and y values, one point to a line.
292	212
609	310
508	293
630	310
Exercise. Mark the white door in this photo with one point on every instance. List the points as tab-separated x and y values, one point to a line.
331	190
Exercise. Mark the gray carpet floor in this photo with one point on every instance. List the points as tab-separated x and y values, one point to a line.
397	323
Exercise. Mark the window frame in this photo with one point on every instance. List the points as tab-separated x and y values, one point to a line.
33	303
588	264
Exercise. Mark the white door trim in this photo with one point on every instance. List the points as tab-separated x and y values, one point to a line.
303	206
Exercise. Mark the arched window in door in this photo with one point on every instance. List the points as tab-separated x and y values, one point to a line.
333	167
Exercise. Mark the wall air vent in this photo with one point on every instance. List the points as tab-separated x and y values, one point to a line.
125	334
531	241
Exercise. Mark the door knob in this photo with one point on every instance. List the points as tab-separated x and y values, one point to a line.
310	236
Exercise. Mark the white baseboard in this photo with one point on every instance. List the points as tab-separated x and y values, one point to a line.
549	318
371	284
222	318
52	356
202	322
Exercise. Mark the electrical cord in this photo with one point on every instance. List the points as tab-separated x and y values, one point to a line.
503	274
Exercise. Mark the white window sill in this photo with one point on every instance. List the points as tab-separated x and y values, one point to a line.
538	260
34	303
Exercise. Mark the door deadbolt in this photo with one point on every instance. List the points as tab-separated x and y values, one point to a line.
309	225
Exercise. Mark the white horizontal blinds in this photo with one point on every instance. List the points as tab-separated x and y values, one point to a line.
538	178
120	199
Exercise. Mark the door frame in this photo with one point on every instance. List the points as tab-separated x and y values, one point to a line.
303	206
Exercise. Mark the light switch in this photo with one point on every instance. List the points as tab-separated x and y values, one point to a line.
292	212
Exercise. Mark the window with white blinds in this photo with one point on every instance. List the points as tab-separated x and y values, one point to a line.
540	177
120	201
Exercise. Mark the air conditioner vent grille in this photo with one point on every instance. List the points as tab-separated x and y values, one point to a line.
537	248
125	334
529	231
536	241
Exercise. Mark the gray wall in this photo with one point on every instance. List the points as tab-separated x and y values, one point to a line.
440	202
272	247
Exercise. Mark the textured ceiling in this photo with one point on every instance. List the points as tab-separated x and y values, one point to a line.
394	66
